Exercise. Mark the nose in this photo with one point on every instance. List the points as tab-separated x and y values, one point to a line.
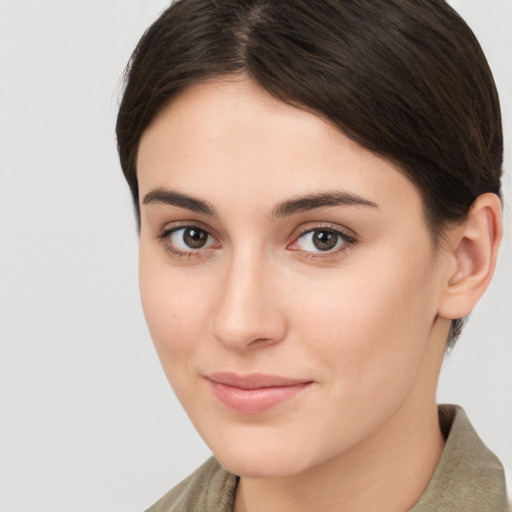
249	312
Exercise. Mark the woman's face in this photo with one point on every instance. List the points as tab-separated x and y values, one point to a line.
287	278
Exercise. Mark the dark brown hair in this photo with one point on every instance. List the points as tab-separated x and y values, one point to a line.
406	79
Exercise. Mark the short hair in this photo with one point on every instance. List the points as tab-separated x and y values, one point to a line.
405	79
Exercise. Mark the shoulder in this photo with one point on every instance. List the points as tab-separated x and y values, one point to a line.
209	488
469	476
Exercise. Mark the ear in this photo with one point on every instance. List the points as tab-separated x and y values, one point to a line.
473	250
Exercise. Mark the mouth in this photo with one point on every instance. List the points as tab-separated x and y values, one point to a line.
254	393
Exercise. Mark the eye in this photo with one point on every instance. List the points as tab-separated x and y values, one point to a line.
321	240
187	239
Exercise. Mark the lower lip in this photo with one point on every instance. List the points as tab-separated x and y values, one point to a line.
254	401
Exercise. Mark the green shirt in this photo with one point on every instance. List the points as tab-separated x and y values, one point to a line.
468	478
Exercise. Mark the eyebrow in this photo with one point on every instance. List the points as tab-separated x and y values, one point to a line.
173	198
320	200
284	209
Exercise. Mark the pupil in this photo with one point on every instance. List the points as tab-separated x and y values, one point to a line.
325	240
195	238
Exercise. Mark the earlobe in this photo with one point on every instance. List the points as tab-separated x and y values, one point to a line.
474	249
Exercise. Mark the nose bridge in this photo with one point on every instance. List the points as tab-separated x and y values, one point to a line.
248	309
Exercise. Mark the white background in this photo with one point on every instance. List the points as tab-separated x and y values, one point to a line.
87	420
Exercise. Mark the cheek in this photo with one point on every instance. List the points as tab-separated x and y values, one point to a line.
176	311
368	335
371	324
175	306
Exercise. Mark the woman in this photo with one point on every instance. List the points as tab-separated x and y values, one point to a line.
318	191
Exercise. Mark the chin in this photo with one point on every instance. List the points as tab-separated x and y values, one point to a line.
260	467
258	461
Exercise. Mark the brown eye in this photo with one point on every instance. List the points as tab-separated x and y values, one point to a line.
189	239
324	240
195	238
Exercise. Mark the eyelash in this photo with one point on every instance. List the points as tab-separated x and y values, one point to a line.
344	240
164	238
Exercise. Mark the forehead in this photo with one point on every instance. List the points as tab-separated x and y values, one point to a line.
232	140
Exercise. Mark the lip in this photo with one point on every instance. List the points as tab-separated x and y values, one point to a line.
254	393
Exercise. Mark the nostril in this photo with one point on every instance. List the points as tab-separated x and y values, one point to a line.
261	341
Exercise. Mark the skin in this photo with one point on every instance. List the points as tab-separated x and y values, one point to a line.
364	324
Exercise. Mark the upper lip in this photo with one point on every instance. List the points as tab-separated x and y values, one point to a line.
254	380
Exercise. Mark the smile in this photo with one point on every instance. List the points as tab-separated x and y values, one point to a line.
253	394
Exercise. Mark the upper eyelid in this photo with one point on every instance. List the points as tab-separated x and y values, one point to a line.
314	226
346	239
163	235
175	226
163	238
347	243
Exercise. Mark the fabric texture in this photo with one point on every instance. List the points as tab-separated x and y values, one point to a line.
468	478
